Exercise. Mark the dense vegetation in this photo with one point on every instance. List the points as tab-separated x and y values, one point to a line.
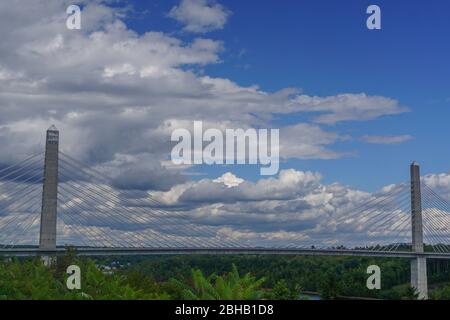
215	277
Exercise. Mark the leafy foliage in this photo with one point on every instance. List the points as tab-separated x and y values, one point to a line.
409	293
31	280
230	286
209	277
442	293
329	287
281	291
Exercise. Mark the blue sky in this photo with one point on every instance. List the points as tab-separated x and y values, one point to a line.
324	48
138	70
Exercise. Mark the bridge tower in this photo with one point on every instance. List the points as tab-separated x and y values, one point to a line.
418	264
47	236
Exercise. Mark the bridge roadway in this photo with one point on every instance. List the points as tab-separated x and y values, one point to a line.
83	251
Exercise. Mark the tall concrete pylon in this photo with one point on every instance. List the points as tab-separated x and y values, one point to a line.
47	236
418	264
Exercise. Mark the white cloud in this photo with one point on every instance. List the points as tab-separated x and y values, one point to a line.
229	179
114	92
116	96
200	16
346	107
440	183
386	139
307	141
294	207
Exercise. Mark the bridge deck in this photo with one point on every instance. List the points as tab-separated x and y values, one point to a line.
24	252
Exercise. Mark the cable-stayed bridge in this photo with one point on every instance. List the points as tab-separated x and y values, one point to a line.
50	200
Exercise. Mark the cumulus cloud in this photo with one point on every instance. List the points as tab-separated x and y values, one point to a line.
116	95
114	92
386	139
307	141
294	207
229	179
440	183
346	107
142	173
286	185
200	16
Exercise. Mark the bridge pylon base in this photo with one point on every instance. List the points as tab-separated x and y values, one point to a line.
419	276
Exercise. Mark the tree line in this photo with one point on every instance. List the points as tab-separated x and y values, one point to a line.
216	277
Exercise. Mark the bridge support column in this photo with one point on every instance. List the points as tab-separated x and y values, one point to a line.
47	236
419	276
419	264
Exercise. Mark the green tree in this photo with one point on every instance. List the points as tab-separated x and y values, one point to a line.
230	286
31	280
28	280
409	293
281	291
441	293
329	286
